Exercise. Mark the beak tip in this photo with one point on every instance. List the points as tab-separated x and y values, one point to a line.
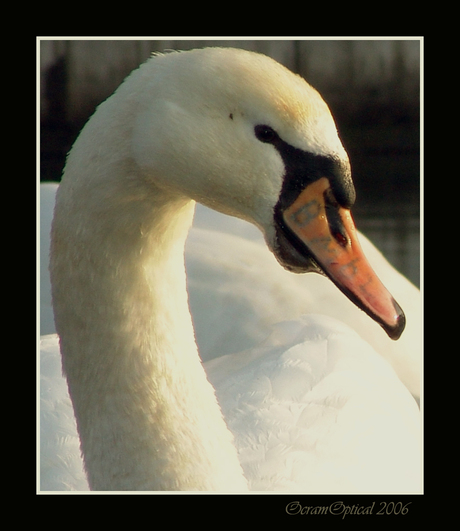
394	331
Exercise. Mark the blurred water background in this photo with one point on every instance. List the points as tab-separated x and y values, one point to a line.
372	87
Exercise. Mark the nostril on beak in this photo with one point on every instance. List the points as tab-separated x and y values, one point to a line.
333	218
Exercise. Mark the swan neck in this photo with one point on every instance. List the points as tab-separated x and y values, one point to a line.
147	417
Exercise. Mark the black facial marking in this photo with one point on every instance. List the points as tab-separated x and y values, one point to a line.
303	168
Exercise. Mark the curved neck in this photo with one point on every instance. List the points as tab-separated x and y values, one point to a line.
147	416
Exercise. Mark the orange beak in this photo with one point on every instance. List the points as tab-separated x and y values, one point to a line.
329	233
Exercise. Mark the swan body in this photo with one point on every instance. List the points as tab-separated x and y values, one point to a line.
191	127
313	409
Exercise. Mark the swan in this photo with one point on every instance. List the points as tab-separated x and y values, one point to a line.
314	408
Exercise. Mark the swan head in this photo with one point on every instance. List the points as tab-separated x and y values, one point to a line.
243	135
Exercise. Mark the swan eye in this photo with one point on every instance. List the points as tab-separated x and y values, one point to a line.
265	133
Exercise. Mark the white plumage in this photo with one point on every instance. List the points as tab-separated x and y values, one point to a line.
313	408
